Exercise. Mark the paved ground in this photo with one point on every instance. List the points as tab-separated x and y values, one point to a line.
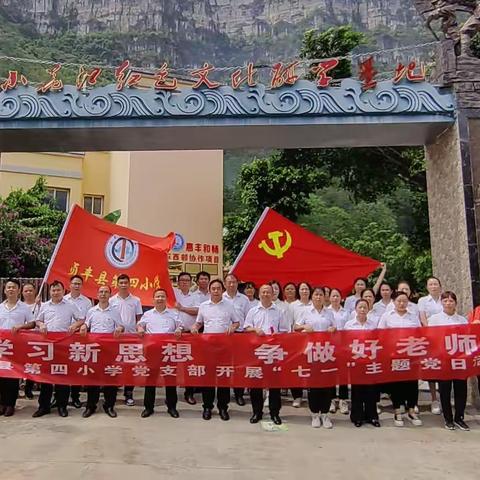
130	447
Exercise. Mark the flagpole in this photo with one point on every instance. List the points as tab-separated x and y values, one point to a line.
57	246
250	238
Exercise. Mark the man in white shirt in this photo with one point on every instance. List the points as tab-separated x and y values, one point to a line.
265	319
102	318
241	304
187	304
56	315
163	320
202	280
84	304
130	309
217	316
14	316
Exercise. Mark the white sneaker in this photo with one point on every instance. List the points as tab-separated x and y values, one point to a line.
297	403
327	423
398	420
416	410
414	420
435	408
333	407
316	423
344	407
379	409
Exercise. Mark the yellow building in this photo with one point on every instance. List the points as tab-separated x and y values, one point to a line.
157	192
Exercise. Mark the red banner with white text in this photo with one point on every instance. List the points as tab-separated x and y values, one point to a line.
246	359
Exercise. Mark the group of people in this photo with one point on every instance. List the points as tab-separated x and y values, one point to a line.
219	307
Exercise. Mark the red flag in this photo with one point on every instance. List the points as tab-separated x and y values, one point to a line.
99	251
282	250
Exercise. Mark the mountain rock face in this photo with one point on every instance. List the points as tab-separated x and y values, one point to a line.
239	18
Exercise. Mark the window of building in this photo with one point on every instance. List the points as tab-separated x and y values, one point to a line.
60	196
93	204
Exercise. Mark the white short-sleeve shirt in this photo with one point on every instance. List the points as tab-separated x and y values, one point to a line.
190	300
442	319
320	321
58	317
429	305
411	307
269	319
350	302
354	324
217	317
285	307
299	309
241	304
154	321
372	317
380	307
391	319
340	316
253	303
128	308
202	296
83	303
18	315
103	320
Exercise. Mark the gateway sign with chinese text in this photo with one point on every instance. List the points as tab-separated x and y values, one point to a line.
283	360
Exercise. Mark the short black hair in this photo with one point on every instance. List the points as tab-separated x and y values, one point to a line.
184	274
202	274
123	276
73	277
13	280
57	283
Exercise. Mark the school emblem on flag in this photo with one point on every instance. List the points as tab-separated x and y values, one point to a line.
121	252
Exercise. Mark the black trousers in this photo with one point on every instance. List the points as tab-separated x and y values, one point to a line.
9	391
128	391
459	398
93	396
319	399
189	391
239	392
29	387
342	392
404	393
297	392
364	403
171	397
75	392
274	400
223	397
62	392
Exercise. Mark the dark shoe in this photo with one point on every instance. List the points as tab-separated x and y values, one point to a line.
375	423
173	412
255	418
458	423
110	411
207	414
88	412
76	403
276	419
63	412
224	415
449	425
358	424
9	411
40	413
53	404
190	400
240	400
2	410
146	413
29	394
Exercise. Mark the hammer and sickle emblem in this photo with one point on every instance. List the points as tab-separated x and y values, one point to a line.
278	250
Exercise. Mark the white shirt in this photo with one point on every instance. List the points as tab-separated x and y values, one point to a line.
217	317
34	308
354	324
241	304
18	315
350	302
103	320
166	321
83	303
128	308
287	321
391	319
299	309
58	317
320	321
441	319
270	320
380	308
340	316
372	317
189	300
253	303
411	307
429	305
202	297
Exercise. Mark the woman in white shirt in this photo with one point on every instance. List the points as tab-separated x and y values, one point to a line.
428	306
251	293
404	392
364	397
283	306
447	317
304	293
317	318
341	317
385	301
289	293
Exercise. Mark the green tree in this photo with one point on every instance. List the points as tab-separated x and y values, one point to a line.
29	228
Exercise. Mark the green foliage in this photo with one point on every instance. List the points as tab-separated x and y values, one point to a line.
29	227
475	45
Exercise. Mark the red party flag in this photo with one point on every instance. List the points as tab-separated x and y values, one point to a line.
99	251
282	250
